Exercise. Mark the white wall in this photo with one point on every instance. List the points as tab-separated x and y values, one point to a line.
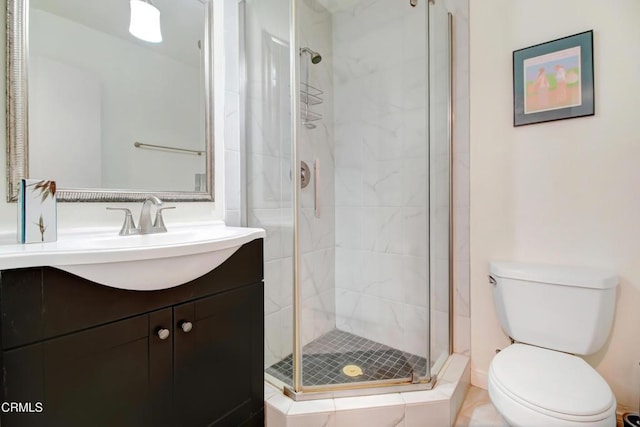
563	192
64	117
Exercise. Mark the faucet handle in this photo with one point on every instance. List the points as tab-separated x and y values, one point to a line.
129	225
158	223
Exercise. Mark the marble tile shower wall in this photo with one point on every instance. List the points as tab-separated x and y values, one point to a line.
380	77
232	153
317	236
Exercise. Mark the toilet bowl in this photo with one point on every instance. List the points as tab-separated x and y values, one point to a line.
532	386
552	314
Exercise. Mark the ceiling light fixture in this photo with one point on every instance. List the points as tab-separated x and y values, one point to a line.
145	21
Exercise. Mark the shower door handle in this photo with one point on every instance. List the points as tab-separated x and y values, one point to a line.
316	187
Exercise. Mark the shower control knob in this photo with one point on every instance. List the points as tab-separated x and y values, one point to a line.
186	326
163	333
305	174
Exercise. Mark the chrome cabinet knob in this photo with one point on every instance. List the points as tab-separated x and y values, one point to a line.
186	326
163	334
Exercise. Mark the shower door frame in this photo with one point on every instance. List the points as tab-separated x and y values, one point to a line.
298	391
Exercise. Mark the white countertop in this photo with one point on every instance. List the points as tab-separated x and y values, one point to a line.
140	262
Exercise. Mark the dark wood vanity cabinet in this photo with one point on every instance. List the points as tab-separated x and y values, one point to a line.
217	358
91	355
100	376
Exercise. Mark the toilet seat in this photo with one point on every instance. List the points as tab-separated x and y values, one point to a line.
550	384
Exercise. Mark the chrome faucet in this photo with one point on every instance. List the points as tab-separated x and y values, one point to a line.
145	225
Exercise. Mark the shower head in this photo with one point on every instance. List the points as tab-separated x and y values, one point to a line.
315	56
413	3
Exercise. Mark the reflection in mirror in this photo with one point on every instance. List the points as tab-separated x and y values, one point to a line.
106	110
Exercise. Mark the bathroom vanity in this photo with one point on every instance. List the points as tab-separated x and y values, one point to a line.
77	353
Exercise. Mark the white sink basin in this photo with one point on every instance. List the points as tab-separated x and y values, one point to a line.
142	262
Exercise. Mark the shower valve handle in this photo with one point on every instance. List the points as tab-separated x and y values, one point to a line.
305	174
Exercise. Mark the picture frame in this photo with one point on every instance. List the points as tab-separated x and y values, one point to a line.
554	80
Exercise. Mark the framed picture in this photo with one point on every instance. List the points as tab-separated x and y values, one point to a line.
554	80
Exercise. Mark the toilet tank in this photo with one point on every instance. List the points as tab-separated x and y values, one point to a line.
567	309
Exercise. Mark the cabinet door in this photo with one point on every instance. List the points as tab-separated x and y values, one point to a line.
218	358
102	376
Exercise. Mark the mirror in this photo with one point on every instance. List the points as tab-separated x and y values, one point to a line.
106	115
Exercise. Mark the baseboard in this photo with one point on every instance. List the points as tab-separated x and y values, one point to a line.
479	378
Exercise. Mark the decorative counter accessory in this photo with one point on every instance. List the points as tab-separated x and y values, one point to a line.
37	219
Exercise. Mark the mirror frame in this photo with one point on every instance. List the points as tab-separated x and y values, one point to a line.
17	62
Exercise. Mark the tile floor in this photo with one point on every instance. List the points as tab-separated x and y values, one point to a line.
478	411
325	357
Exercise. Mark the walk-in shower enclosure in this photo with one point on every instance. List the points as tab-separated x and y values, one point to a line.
347	148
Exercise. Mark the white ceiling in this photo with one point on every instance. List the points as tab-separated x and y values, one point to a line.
181	21
334	6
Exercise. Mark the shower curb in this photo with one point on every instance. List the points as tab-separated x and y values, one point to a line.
439	406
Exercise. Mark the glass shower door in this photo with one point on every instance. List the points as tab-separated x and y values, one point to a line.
357	258
364	217
268	153
440	181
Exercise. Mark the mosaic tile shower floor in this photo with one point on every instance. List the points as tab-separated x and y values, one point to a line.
323	361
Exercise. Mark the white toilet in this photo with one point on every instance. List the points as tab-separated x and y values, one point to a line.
552	313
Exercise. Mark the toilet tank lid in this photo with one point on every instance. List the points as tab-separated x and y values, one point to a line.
584	277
